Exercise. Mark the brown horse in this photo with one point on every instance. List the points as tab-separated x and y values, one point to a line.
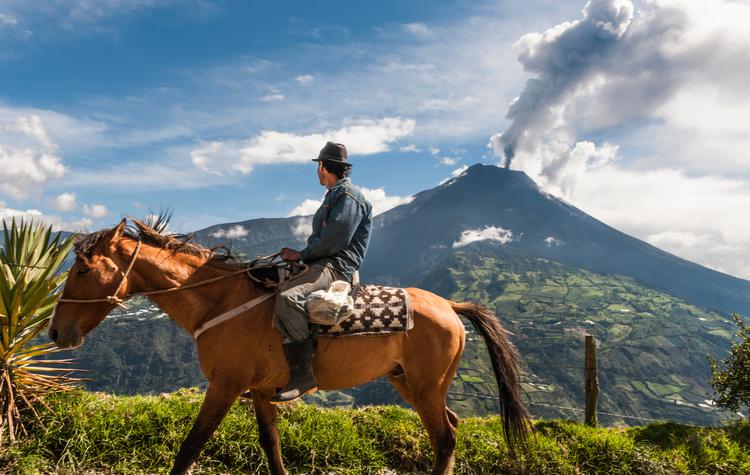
245	354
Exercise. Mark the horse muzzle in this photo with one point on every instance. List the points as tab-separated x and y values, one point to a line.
70	339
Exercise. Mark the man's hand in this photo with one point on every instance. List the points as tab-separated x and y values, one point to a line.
290	254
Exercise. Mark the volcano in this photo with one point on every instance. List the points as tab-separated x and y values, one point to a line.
410	240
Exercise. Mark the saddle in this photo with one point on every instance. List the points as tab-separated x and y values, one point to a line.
271	271
378	309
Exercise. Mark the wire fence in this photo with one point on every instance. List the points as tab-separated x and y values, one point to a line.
577	409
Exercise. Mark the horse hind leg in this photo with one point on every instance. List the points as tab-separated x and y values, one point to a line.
267	416
439	421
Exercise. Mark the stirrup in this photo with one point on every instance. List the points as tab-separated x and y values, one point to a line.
291	395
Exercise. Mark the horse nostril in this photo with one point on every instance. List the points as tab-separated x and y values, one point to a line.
53	334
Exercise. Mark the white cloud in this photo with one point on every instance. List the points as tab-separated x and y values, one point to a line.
488	233
694	217
95	210
306	208
365	137
28	158
411	148
455	174
381	202
235	232
448	160
302	228
57	223
64	202
305	79
273	98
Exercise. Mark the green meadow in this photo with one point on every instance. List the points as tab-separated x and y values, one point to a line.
84	432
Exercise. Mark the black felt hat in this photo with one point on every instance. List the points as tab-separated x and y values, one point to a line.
333	152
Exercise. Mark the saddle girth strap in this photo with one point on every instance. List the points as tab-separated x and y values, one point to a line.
228	315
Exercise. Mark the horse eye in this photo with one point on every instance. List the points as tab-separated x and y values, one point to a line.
83	270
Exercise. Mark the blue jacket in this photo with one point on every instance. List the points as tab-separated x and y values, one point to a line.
341	230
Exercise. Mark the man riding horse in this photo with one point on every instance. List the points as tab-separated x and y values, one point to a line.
335	250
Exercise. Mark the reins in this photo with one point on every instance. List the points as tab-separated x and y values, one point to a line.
114	299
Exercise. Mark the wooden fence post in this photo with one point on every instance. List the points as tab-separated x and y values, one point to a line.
591	381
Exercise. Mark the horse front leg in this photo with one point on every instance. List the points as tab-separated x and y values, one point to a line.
219	398
267	416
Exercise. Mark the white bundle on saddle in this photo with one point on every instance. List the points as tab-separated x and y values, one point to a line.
332	306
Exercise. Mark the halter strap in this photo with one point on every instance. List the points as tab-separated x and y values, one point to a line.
113	299
213	321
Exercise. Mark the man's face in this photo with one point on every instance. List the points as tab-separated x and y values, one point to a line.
321	173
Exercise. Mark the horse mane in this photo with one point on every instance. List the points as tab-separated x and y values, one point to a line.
152	231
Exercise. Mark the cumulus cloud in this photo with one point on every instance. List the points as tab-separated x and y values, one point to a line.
95	210
235	232
694	217
380	200
306	208
488	233
28	158
302	228
57	223
64	202
364	137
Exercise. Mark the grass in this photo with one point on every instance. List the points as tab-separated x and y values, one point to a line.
97	433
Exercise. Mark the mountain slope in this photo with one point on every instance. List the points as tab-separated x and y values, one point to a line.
410	237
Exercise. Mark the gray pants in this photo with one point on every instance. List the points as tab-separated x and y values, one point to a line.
290	317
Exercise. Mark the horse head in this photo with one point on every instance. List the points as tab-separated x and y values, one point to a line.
97	274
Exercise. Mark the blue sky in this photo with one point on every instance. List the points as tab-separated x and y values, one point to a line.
116	107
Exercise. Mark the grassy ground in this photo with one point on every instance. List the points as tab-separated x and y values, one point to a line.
97	433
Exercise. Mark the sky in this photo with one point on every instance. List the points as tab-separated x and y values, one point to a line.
634	111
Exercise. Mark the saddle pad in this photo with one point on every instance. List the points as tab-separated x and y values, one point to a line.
377	310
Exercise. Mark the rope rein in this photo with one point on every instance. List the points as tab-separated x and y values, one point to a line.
120	302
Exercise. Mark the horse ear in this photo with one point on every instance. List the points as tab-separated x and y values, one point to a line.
115	233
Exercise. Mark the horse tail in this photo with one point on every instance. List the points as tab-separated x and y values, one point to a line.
505	361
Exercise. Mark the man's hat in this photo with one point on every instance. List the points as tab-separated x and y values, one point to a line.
333	152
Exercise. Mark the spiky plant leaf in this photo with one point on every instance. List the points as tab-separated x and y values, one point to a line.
31	277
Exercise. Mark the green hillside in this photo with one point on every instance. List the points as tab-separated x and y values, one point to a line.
652	347
94	433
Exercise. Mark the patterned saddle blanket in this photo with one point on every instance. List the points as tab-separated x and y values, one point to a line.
378	310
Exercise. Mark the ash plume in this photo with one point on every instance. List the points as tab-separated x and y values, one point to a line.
618	65
564	57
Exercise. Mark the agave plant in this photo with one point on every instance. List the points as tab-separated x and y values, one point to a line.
31	276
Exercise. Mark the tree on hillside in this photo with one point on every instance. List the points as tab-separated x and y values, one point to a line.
730	378
31	259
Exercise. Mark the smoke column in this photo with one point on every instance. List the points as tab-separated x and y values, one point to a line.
563	57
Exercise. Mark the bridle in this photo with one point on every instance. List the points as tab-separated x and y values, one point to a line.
259	263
